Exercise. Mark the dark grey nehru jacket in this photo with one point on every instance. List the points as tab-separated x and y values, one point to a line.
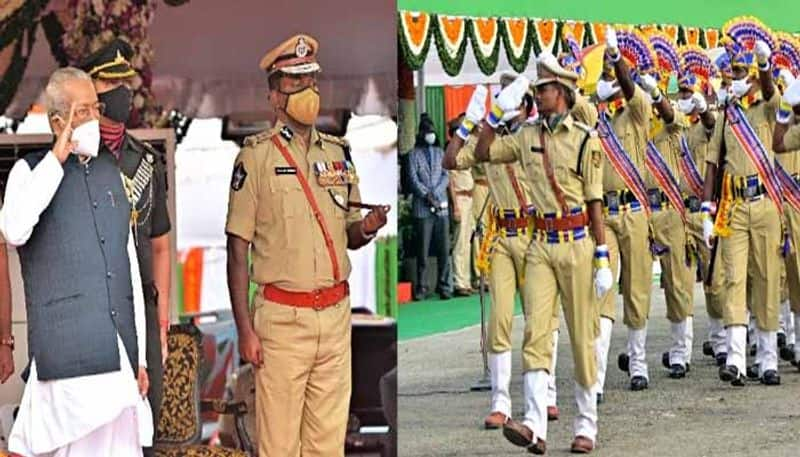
77	274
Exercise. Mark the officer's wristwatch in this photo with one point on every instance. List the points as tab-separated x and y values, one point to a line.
8	341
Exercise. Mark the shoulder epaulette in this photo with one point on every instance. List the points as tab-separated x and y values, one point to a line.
147	151
583	126
253	140
335	139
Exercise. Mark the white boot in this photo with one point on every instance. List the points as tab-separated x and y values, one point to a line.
677	351
586	419
737	344
636	352
767	351
716	334
689	339
500	371
601	351
535	391
551	384
787	322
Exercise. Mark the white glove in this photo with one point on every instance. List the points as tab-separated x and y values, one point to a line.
784	112
792	93
508	101
699	102
786	77
612	46
476	110
650	85
708	223
762	54
602	276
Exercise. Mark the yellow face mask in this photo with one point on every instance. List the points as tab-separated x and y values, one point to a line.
303	105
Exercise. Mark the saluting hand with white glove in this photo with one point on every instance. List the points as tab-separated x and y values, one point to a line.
603	279
506	104
650	85
792	93
699	102
476	110
762	54
612	46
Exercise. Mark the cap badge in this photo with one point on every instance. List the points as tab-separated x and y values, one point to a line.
301	50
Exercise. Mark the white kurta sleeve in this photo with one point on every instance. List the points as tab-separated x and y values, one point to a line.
138	302
28	194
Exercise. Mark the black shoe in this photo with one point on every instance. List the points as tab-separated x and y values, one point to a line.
721	358
665	360
781	340
624	362
600	398
445	295
753	350
421	294
771	378
677	371
787	353
730	373
638	383
688	367
752	371
708	349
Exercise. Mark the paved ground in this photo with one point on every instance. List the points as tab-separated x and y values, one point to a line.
696	416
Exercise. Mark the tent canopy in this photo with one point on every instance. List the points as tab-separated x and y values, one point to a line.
207	54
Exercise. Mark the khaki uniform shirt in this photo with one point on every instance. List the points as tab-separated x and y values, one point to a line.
269	209
668	143
631	126
583	111
697	137
461	180
578	171
500	177
762	118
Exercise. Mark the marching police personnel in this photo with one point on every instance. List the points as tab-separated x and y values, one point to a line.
748	220
292	202
145	179
563	161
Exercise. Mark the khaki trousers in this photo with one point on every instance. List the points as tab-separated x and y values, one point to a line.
753	247
462	252
507	268
669	231
303	388
627	238
479	195
793	259
715	293
561	270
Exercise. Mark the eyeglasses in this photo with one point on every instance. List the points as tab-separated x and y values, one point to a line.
86	110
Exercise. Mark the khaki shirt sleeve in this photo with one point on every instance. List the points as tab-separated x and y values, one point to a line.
354	214
465	158
712	155
791	140
583	111
592	167
244	194
640	107
506	148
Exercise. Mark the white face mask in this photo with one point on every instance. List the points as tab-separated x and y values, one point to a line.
430	138
605	89
740	87
685	106
87	135
722	96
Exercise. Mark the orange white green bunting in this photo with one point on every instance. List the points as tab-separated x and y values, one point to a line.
415	37
545	35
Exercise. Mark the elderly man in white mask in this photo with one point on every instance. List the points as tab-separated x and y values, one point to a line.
67	212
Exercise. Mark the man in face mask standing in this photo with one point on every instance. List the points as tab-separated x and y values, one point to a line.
146	184
429	183
66	211
748	220
293	205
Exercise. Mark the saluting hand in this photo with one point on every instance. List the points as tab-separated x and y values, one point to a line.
375	219
64	144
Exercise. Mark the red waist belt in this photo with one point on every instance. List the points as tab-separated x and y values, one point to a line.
317	299
561	224
512	223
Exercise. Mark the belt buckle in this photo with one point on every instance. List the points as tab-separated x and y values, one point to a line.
694	204
654	197
549	224
612	201
750	191
317	296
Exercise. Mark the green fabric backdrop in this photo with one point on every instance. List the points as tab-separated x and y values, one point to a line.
434	106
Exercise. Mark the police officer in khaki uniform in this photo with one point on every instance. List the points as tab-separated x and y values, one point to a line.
145	177
786	144
626	222
563	161
291	203
461	188
503	249
748	221
692	103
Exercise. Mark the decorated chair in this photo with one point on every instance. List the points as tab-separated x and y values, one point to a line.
179	429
